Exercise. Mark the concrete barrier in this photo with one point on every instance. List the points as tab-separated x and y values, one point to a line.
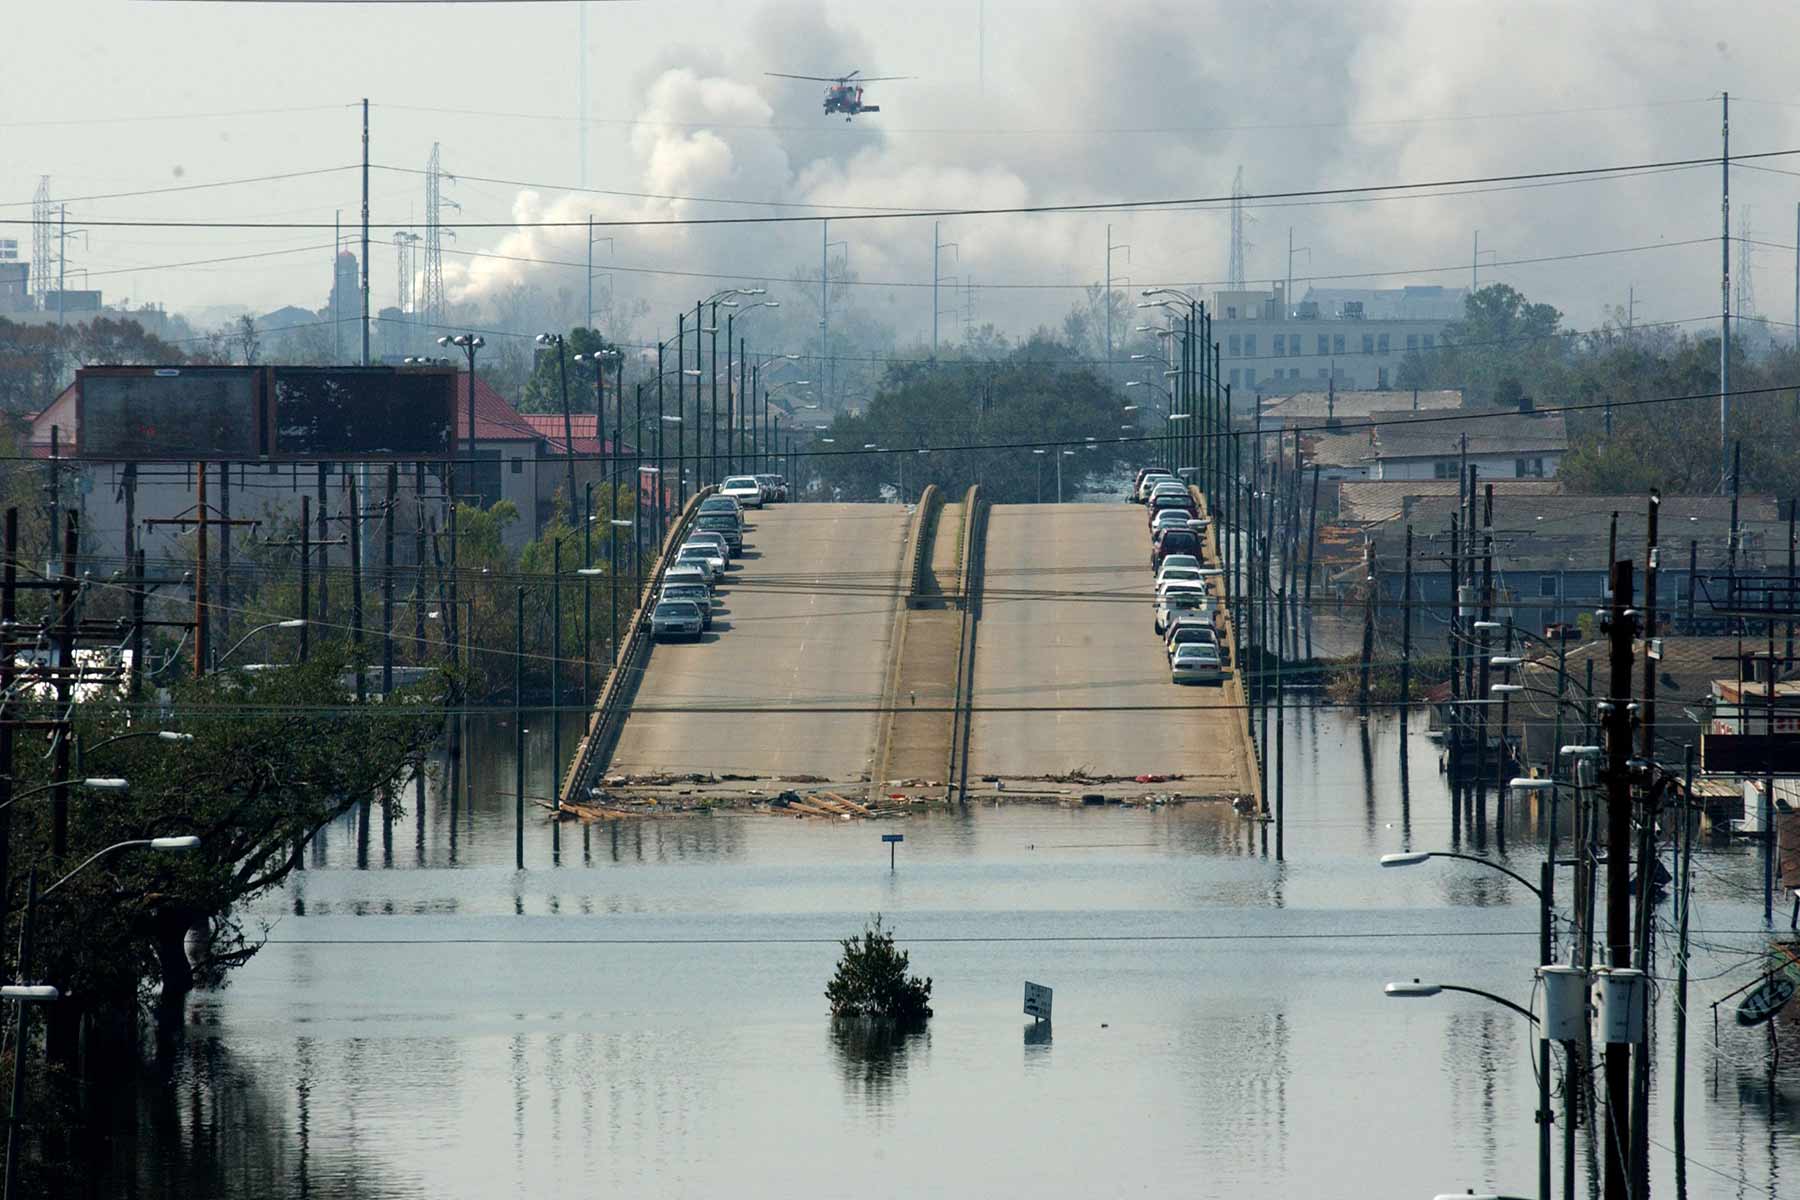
922	590
613	704
972	556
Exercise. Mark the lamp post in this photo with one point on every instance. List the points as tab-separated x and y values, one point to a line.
293	623
22	993
759	441
469	344
723	296
1418	991
1545	891
734	412
556	340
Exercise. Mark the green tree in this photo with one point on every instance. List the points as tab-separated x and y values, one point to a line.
274	756
978	409
543	389
872	980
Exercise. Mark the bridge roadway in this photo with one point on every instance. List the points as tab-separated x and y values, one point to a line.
1066	622
805	619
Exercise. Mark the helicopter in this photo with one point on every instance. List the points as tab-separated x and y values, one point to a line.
845	95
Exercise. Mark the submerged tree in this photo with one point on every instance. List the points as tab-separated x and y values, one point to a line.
871	980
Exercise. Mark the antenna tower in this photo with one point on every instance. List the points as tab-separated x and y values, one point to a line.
431	304
404	241
43	217
1236	272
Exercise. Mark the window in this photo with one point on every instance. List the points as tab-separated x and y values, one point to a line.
1528	468
1381	344
1236	376
1446	468
1430	340
1368	343
518	466
1412	341
1546	585
1280	344
1294	345
485	481
1293	372
1250	344
1324	344
1325	373
1337	343
1231	312
1234	345
1381	379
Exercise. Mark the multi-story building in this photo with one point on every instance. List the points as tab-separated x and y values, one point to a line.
1344	339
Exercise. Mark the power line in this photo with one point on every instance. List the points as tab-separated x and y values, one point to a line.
185	187
1571	175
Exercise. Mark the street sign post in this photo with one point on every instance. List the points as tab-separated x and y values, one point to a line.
892	839
1037	1000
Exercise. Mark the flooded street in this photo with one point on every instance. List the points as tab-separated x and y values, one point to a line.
640	1012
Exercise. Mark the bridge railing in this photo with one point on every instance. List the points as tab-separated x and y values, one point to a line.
971	557
613	703
923	589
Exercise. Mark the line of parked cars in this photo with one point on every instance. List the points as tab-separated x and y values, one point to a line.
754	491
686	600
1186	616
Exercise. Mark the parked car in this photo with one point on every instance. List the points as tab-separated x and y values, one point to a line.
695	592
781	486
1194	662
688	572
672	619
1183	504
744	489
705	554
1171	518
1192	629
1168	488
1167	576
773	492
1173	541
721	504
1174	604
727	524
1137	481
711	537
1149	482
1181	560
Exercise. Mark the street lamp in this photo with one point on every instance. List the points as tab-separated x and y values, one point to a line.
94	783
1544	890
737	404
23	994
292	623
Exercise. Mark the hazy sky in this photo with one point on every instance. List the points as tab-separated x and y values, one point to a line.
1082	102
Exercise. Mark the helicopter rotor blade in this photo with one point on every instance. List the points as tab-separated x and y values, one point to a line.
882	78
810	78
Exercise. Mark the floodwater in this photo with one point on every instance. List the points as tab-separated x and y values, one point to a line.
639	1012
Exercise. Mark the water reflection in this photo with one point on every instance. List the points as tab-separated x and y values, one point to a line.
605	1024
873	1054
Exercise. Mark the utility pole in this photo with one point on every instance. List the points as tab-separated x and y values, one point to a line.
1724	281
365	239
1617	724
1475	265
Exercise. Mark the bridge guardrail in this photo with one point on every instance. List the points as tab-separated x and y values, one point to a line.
619	688
921	589
971	559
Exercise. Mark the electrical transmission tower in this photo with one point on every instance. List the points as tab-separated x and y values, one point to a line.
1238	245
431	304
43	215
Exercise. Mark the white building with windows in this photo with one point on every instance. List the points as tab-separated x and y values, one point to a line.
1351	340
